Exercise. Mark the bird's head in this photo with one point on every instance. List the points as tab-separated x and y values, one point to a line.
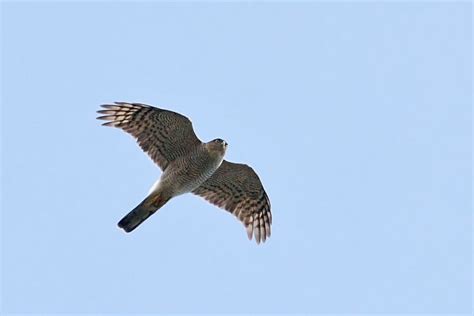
218	146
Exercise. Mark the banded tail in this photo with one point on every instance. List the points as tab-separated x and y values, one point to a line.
139	214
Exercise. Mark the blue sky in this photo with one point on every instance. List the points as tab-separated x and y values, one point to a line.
356	116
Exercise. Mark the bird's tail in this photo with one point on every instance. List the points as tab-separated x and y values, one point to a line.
140	213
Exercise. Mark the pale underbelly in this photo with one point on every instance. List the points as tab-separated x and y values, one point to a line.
181	181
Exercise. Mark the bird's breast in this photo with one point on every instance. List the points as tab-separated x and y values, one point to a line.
186	174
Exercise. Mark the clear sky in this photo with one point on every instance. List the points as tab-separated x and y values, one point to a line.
356	116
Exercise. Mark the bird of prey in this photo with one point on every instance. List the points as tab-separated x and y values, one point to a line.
189	165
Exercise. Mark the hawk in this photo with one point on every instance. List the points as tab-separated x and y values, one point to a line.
189	165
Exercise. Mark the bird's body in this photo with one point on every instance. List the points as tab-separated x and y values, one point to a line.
187	173
189	166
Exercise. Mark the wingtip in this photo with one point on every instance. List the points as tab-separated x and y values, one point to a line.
249	229
258	237
109	112
115	105
106	118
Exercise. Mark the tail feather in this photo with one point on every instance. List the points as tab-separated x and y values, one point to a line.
140	213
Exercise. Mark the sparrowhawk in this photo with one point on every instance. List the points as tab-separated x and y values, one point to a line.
189	165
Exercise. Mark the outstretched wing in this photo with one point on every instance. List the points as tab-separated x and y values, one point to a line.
164	135
237	189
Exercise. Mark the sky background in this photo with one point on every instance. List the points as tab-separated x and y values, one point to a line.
356	116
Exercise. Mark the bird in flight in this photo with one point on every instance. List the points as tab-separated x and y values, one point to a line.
189	165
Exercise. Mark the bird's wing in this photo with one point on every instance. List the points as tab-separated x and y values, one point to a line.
237	189
164	135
